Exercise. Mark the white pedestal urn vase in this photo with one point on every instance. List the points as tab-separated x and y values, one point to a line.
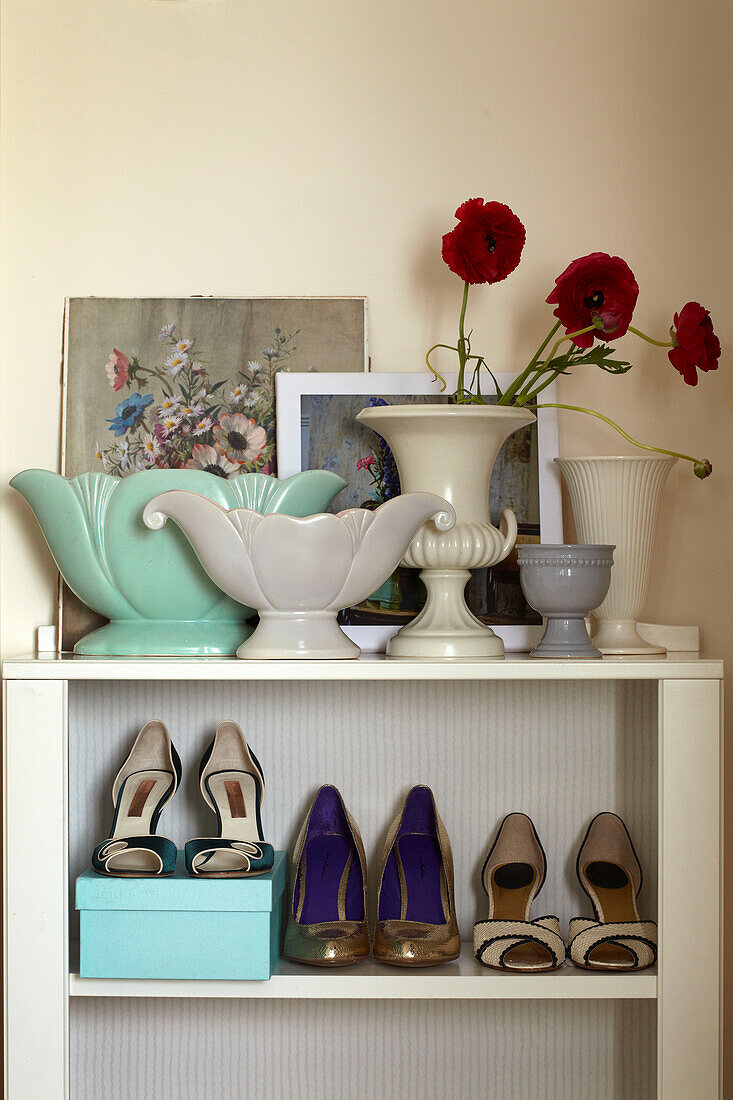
450	450
616	500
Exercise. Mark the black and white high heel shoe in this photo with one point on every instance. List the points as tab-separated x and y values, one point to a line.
145	783
233	786
609	871
512	876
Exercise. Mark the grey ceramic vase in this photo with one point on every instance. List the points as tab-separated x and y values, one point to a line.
565	583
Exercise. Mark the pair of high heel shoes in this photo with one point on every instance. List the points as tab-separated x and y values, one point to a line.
232	785
609	872
416	923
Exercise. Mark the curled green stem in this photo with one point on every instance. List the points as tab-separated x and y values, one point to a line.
702	467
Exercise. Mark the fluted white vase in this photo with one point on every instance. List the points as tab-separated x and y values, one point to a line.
450	450
616	500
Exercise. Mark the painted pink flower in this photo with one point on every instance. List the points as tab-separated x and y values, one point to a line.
118	369
365	463
240	439
210	459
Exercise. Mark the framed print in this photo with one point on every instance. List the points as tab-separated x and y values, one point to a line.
316	429
188	382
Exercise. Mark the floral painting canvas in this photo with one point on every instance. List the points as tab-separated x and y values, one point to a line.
190	382
178	383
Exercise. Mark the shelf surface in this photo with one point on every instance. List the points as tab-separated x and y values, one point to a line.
372	666
464	979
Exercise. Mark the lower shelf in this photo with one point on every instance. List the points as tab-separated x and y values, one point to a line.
464	979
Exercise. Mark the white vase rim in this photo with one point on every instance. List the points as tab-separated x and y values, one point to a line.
511	412
615	458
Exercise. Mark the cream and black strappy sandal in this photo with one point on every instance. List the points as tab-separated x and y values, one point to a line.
512	876
233	785
610	873
145	782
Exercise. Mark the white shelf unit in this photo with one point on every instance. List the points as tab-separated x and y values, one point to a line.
463	980
39	694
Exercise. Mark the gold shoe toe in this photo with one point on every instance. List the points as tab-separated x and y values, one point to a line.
337	943
412	943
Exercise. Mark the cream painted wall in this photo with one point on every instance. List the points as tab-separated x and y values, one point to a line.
243	147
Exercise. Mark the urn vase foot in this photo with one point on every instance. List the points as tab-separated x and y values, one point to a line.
619	637
306	635
445	627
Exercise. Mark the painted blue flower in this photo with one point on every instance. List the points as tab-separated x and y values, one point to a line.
129	413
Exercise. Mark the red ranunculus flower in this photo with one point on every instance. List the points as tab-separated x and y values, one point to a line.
596	285
696	345
487	243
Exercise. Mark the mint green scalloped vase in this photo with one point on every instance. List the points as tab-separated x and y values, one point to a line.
149	584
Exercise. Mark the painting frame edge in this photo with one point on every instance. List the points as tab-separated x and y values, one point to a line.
290	388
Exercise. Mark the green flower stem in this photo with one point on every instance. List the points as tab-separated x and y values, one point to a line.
462	352
526	393
617	428
529	369
649	340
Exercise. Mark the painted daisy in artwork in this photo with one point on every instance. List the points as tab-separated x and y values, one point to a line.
203	425
150	447
240	438
166	333
198	367
254	366
210	459
183	346
123	452
168	406
170	423
102	457
237	394
175	362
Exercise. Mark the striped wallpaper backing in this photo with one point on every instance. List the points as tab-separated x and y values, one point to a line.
558	751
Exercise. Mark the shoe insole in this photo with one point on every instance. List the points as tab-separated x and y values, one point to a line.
141	794
513	886
330	886
616	902
234	794
412	884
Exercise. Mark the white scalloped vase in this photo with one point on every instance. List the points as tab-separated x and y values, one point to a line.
450	450
616	500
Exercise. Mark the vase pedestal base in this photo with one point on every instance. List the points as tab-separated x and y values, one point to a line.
445	627
298	635
566	638
164	638
620	638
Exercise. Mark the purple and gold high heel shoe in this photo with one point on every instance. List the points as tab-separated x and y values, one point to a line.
327	913
416	923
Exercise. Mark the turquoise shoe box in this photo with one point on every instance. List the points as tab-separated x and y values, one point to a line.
181	926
